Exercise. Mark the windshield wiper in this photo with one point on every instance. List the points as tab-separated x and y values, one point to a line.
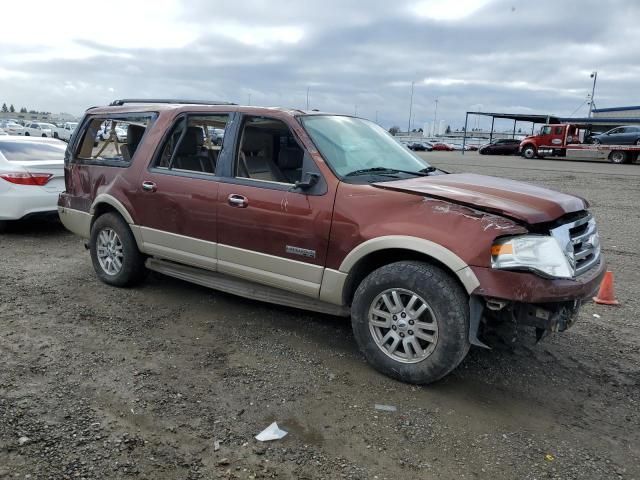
365	171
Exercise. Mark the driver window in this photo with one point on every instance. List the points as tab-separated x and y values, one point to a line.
268	152
545	130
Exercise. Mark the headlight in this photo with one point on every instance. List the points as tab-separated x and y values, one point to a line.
539	253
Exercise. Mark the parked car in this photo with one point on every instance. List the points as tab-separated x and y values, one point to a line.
2	132
503	146
65	131
12	128
439	146
324	212
39	129
625	135
417	146
31	177
105	132
216	135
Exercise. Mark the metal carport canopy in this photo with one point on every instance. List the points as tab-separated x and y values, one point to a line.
516	117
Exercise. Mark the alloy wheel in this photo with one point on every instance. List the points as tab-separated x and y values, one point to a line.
403	325
109	251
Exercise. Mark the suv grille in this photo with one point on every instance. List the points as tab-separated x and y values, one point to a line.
580	241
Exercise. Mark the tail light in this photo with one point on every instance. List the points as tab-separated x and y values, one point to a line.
26	178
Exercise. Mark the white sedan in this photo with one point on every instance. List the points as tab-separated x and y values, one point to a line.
11	127
39	129
31	177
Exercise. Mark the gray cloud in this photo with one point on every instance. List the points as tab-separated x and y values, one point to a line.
507	56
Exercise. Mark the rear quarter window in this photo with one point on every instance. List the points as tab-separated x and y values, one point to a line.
31	151
112	140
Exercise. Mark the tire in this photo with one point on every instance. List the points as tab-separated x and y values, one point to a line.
529	152
447	315
618	157
131	270
637	143
27	134
596	142
44	135
55	135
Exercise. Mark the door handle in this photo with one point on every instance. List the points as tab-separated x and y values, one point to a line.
236	200
149	186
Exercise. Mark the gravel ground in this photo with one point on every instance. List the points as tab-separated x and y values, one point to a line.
173	381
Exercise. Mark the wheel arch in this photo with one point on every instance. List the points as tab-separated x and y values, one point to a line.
377	252
105	202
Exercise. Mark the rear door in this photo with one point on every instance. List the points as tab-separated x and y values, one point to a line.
269	231
177	194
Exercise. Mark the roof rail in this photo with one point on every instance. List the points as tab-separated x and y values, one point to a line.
117	103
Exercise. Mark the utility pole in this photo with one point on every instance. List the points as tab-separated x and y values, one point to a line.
307	98
249	99
594	75
410	109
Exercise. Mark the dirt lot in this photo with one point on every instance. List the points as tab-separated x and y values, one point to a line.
98	382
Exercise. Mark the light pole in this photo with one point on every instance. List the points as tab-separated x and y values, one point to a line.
594	75
410	110
435	118
307	98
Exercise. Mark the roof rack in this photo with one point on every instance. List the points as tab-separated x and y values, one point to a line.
117	103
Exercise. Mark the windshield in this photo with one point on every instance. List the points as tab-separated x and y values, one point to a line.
352	145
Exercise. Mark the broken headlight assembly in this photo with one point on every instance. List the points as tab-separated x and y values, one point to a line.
538	253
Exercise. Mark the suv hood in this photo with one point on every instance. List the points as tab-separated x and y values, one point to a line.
517	200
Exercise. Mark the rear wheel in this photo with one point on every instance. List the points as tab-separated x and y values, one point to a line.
114	252
411	321
596	141
529	152
638	142
618	156
27	134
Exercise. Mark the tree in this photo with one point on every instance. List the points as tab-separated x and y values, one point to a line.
23	110
394	130
4	108
448	130
12	109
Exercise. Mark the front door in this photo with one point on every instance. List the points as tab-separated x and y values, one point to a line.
269	231
178	194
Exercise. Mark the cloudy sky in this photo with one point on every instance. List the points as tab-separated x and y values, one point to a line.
492	55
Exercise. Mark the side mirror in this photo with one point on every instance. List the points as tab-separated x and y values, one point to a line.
310	179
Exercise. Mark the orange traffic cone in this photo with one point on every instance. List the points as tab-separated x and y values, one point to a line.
606	295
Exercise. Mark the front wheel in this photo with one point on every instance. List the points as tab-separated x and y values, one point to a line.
529	152
411	321
114	252
27	134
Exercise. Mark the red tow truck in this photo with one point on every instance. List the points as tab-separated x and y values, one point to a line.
568	140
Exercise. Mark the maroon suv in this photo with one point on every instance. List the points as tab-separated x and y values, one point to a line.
327	213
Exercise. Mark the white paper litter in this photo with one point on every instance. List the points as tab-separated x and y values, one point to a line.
272	432
385	408
595	315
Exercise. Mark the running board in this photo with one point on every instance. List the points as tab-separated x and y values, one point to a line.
243	288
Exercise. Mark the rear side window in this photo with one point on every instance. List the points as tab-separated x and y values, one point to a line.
112	140
558	131
194	144
31	151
